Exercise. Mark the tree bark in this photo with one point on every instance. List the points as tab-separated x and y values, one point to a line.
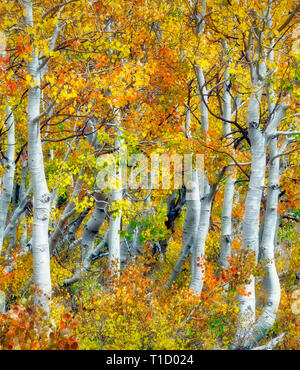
114	258
252	207
226	224
67	212
92	227
41	196
271	281
8	177
190	226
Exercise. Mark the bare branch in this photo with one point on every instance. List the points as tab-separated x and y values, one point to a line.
270	345
290	17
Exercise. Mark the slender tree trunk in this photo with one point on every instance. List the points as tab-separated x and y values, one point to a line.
271	281
41	196
192	214
226	224
8	177
74	226
2	303
252	208
91	254
24	173
17	213
92	227
205	196
190	226
12	234
251	225
198	248
114	235
204	99
41	204
67	212
115	218
205	199
253	200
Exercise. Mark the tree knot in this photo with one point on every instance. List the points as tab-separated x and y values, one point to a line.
45	198
254	124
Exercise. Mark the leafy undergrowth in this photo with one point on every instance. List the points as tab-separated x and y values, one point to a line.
23	328
137	310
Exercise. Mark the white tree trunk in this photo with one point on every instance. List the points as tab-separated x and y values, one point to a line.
204	99
198	248
226	224
115	218
251	224
190	226
114	235
2	302
41	196
205	199
17	213
252	208
23	240
271	280
41	205
8	177
253	199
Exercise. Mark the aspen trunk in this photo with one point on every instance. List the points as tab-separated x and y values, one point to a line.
190	226
41	196
226	224
41	204
67	212
253	200
252	208
198	249
114	235
92	227
8	177
23	240
271	280
2	303
115	218
251	225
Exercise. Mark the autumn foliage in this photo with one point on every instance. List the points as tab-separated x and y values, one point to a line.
24	328
113	73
